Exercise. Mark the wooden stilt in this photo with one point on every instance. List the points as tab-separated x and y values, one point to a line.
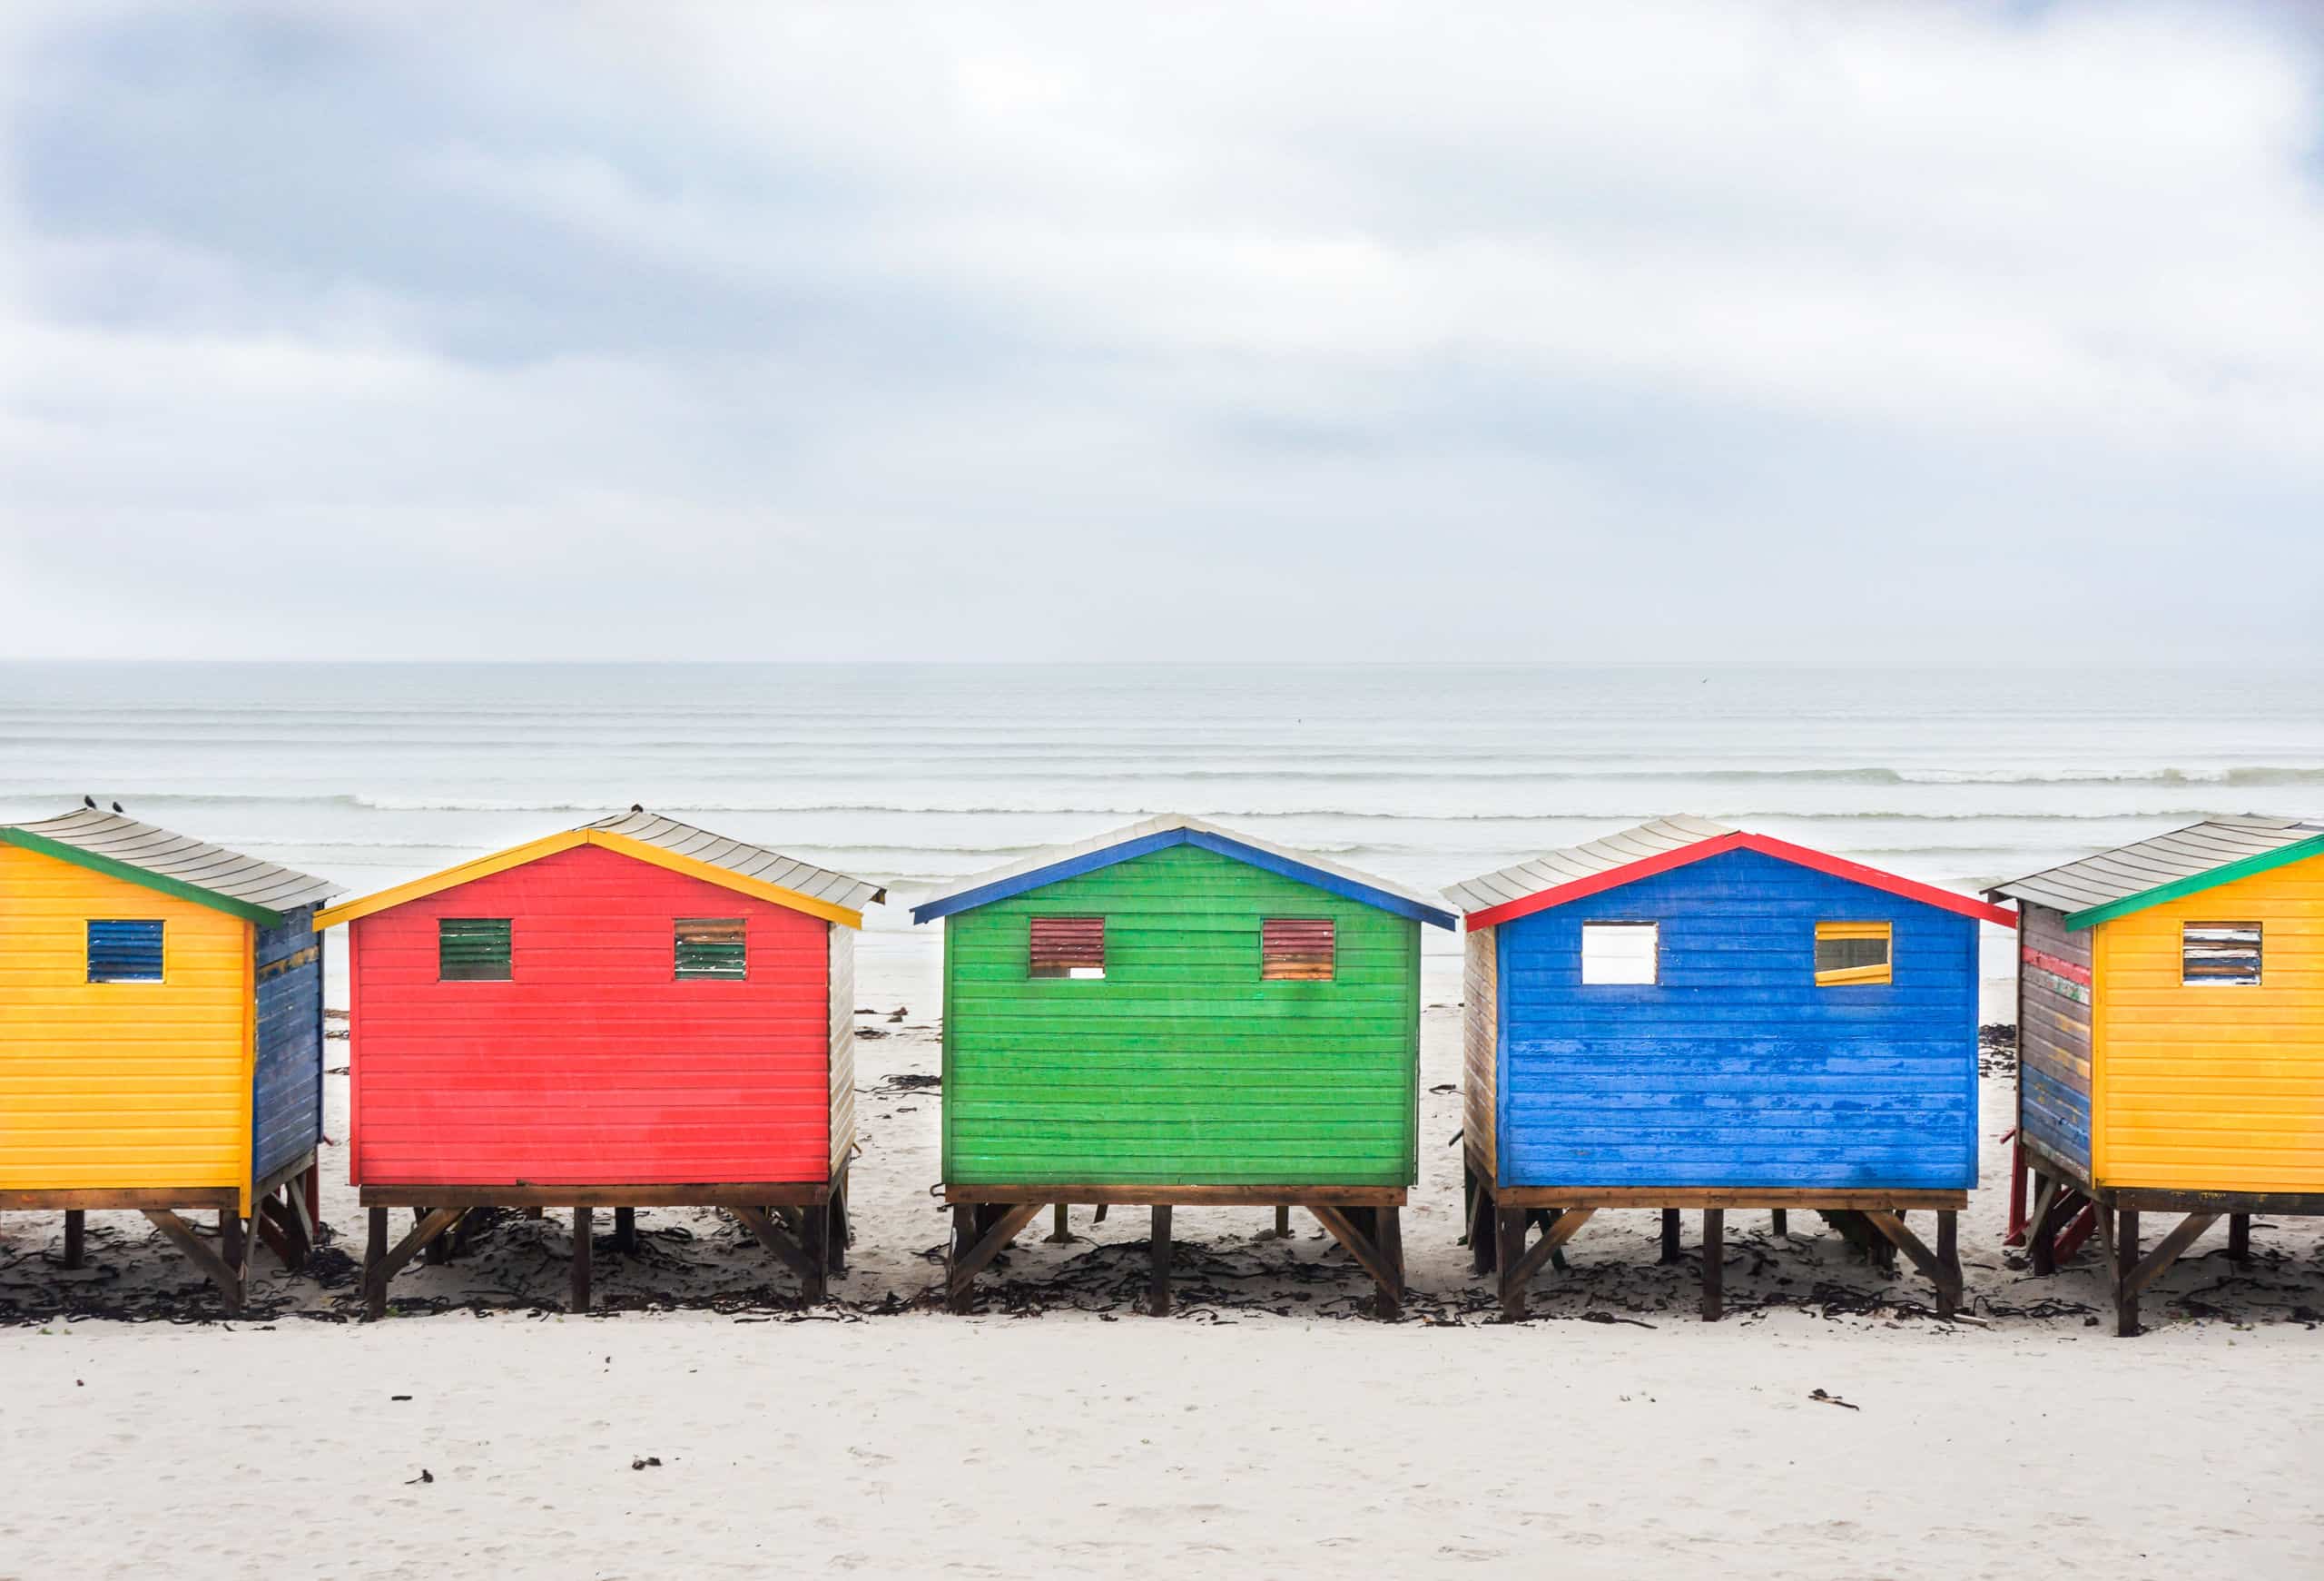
1508	1233
1158	1297
1670	1252
234	1245
311	1190
815	1241
77	1225
1714	1263
535	1213
375	1259
2126	1262
583	1232
226	1276
1780	1220
1283	1222
842	1232
625	1232
439	1250
1388	1234
2239	1238
1059	1234
1948	1263
266	1224
2043	1242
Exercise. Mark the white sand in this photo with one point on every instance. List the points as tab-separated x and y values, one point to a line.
1228	1440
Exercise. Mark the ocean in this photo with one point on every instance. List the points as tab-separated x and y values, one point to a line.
911	775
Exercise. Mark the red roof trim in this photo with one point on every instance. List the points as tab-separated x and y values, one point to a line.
1767	845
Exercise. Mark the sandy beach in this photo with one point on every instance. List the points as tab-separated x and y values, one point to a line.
1266	1426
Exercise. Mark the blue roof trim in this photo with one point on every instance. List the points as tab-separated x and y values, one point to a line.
1128	850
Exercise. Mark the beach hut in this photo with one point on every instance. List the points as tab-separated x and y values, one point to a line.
160	1036
1687	1016
633	1013
2171	1040
1174	1015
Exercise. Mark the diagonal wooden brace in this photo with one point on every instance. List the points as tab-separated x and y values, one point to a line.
227	1278
1944	1272
971	1262
2152	1264
1568	1226
776	1239
376	1276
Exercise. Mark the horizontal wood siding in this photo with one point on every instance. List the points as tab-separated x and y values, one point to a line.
1735	1068
1180	1066
119	1084
593	1064
288	1088
1480	1044
2211	1088
2053	995
841	995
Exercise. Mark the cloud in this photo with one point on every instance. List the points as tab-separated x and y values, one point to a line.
1671	330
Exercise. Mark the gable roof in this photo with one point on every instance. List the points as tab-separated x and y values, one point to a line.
121	847
746	869
1558	877
2184	862
1061	862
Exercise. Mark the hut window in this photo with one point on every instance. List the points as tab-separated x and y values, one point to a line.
124	952
2219	954
472	950
1853	954
1068	947
1295	950
712	947
1614	952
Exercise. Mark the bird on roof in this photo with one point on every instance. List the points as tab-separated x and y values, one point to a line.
116	806
89	801
637	807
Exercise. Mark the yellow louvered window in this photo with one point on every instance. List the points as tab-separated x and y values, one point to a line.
1853	954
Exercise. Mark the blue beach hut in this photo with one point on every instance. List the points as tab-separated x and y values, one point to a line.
1687	1016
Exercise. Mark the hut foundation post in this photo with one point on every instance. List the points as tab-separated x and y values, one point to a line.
1714	1263
375	1266
1389	1236
232	1241
1948	1263
76	1224
964	1240
842	1232
535	1213
584	1229
2043	1234
1484	1239
1779	1220
2126	1262
2239	1238
815	1241
1283	1222
1670	1235
439	1250
1059	1234
1158	1299
1509	1234
625	1232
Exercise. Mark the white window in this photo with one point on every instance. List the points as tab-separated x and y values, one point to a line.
1621	952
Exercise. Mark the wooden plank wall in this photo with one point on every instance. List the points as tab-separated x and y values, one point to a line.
287	1100
1480	1046
593	1065
119	1084
2053	999
1735	1069
1180	1065
841	993
2208	1087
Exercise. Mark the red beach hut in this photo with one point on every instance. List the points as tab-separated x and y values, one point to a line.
633	1013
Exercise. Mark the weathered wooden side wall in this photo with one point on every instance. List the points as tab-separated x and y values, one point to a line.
841	995
112	1085
1480	1046
2211	1088
287	1097
1180	1066
2053	996
1735	1068
592	1065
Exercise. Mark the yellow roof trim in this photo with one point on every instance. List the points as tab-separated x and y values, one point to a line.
549	846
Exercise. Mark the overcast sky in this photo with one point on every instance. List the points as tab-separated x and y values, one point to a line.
1345	331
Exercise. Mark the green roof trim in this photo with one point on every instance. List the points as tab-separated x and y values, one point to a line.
130	874
2195	884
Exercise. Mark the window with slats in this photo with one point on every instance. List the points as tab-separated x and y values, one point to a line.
2219	955
1621	952
124	950
1854	954
712	947
1295	950
1068	947
472	949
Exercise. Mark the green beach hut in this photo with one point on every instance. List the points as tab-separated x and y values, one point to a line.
1174	1015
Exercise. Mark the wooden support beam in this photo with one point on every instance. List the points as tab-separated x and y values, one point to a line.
775	1239
814	1244
381	1266
535	1212
2044	1240
375	1292
76	1228
1059	1234
1345	1230
584	1245
842	1229
1282	1220
1564	1228
986	1245
2239	1238
1670	1252
1948	1264
234	1245
226	1276
1509	1234
1158	1288
438	1250
1714	1263
1780	1220
625	1232
1476	1220
270	1231
295	1200
2189	1231
2126	1262
1388	1234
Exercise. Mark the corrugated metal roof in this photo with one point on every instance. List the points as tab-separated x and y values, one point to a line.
1554	869
2182	854
737	856
182	859
1002	878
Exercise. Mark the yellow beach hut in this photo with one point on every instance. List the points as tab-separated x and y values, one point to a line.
2171	1039
160	1036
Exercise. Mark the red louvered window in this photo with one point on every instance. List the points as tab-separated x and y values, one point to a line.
1295	950
1068	947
